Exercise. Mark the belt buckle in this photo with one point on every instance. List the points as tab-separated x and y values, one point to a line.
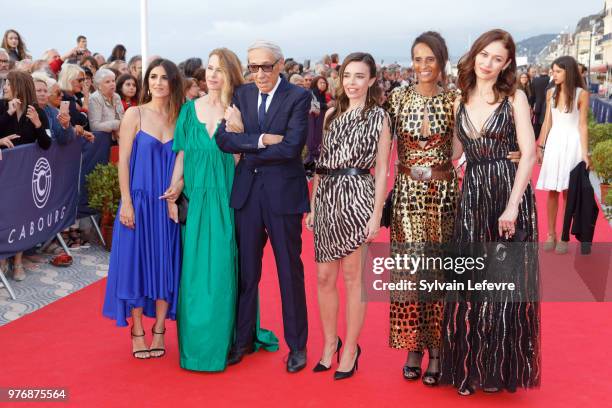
420	173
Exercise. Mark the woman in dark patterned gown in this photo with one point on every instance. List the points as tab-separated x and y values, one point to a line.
494	345
347	204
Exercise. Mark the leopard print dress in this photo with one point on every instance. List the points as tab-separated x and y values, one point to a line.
423	211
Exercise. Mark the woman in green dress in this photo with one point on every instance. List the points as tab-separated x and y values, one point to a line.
208	288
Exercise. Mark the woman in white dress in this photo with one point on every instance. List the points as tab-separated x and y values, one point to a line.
563	141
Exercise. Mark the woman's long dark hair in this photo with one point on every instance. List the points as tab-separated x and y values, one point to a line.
525	88
573	80
506	81
175	82
317	93
121	80
118	53
22	88
21	47
374	91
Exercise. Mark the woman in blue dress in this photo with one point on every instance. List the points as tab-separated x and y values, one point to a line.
144	268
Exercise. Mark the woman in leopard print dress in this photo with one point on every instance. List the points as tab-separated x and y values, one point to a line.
423	207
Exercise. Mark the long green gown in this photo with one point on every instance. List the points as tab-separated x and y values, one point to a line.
208	289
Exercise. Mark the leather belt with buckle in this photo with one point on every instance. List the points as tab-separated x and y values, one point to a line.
423	173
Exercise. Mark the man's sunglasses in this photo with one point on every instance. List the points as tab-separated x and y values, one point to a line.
254	68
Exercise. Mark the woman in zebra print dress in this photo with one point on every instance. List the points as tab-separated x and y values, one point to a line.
494	344
347	203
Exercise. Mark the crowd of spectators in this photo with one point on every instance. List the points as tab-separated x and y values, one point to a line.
72	95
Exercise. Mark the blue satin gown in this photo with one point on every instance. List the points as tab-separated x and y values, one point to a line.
145	262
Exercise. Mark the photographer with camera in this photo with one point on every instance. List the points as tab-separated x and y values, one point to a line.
73	56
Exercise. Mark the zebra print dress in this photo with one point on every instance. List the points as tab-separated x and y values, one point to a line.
344	204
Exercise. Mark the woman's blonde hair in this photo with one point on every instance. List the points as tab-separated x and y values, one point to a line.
232	71
39	76
68	73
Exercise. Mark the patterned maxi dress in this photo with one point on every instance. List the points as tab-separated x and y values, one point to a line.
344	204
423	211
493	344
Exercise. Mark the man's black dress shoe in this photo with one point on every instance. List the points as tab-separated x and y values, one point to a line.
296	360
237	353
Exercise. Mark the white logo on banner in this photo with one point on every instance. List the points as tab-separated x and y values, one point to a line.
41	182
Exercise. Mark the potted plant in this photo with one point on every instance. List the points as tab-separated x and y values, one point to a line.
608	205
104	195
602	163
599	132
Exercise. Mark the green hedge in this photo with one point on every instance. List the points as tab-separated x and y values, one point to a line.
602	160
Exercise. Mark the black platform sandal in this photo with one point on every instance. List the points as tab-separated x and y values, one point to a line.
412	373
163	350
431	378
136	353
466	391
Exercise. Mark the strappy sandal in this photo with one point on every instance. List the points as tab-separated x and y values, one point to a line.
431	378
561	248
412	373
466	391
163	350
18	272
136	353
550	243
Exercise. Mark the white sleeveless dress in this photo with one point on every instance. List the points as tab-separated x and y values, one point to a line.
563	151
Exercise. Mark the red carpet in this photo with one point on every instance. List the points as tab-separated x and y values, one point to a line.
69	344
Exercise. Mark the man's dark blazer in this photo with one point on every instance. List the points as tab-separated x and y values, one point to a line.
540	85
280	165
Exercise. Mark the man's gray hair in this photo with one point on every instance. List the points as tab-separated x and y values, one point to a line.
102	74
2	50
47	54
267	45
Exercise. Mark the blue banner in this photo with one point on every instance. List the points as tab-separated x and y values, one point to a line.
40	190
602	109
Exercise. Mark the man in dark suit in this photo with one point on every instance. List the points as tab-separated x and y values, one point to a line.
540	85
267	125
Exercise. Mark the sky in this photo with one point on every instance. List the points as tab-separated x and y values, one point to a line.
179	29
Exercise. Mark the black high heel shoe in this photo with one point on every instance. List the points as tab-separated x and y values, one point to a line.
341	375
412	373
432	378
320	367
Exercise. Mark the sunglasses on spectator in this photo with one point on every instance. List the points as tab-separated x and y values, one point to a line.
254	68
81	79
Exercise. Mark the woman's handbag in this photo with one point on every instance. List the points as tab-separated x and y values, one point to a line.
385	220
183	204
387	212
